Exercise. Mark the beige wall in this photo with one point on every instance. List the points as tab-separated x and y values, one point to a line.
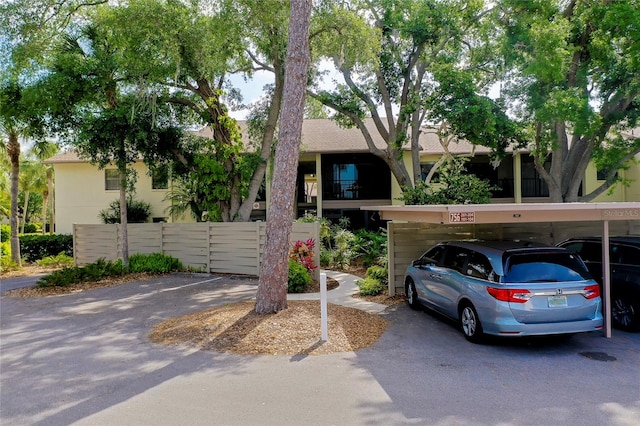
632	192
619	192
591	183
81	194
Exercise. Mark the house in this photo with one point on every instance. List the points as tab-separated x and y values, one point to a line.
336	176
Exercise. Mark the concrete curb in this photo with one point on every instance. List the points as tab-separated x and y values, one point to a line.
343	295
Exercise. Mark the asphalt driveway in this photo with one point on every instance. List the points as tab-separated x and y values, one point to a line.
85	358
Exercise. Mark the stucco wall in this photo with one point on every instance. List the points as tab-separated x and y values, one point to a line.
591	182
81	194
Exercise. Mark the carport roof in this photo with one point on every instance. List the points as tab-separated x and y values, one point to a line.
457	214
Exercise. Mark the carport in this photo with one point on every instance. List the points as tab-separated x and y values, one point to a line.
499	219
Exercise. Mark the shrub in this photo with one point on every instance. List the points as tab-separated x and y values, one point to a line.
299	277
5	232
6	264
343	253
91	272
456	186
326	257
31	228
35	247
137	212
59	260
379	273
155	263
302	252
370	246
370	286
60	278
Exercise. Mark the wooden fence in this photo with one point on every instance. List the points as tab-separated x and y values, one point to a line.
408	241
234	248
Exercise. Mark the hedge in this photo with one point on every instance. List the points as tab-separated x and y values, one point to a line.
35	247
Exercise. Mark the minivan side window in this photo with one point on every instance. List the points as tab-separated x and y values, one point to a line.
480	267
436	253
456	258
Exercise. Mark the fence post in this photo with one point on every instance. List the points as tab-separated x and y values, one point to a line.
391	260
75	256
258	257
118	242
209	238
316	237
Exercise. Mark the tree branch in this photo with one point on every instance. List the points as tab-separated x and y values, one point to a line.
359	123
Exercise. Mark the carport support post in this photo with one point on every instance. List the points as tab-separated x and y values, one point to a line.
606	278
323	306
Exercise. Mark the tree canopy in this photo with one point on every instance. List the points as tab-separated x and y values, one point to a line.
572	77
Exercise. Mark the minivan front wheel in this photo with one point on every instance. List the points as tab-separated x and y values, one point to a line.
412	296
470	324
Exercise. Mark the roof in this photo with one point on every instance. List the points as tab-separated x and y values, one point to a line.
326	136
70	156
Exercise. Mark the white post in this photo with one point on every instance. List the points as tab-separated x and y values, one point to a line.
606	278
323	306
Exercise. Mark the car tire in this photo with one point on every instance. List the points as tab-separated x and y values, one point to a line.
412	296
625	312
470	323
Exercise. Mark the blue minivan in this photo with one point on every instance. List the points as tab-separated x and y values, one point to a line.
506	288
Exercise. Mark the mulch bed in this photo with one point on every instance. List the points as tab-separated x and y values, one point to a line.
238	329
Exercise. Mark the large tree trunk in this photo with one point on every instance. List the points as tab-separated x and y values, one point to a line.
272	287
45	200
27	194
13	149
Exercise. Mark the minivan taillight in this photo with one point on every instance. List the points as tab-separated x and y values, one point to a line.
592	291
510	294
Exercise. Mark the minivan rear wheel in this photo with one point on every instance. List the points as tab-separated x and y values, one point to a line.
470	324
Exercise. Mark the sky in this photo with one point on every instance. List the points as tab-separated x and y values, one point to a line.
252	90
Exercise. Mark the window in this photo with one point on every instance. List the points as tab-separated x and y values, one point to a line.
355	177
425	168
435	254
160	178
602	174
456	258
111	180
480	267
545	267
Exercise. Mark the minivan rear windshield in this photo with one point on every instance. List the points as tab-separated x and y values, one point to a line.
545	267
